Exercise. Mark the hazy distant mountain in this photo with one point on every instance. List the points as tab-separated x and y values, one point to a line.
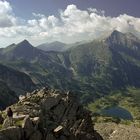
58	46
53	46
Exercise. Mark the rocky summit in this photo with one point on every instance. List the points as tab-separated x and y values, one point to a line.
49	115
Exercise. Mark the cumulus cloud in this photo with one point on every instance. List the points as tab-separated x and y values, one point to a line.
7	18
71	25
94	10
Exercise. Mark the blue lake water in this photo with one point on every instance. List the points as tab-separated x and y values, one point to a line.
117	112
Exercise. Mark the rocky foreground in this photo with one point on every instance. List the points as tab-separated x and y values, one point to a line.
49	115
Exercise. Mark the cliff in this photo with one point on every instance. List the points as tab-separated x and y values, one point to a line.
49	115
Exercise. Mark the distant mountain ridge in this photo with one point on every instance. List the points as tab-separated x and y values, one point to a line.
92	69
53	46
23	50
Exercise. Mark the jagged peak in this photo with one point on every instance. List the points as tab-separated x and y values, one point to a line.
116	33
118	37
25	43
128	35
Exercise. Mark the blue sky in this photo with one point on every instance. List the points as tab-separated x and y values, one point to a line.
25	8
68	21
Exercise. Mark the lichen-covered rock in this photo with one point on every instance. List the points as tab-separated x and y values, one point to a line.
54	115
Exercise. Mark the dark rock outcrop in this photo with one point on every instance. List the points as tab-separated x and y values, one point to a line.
1	119
17	81
7	96
51	115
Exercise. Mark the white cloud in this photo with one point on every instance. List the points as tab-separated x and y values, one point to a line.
7	18
38	15
94	10
5	7
71	25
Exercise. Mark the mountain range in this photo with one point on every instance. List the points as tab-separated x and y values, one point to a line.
91	69
104	73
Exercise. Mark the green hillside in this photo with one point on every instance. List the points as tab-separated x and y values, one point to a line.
92	69
127	99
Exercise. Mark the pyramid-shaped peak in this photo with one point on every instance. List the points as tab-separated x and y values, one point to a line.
119	35
119	38
116	36
116	31
25	43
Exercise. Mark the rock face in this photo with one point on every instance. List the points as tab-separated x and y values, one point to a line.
7	96
17	81
51	115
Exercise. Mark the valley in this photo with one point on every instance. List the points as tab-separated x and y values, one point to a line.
103	74
100	72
